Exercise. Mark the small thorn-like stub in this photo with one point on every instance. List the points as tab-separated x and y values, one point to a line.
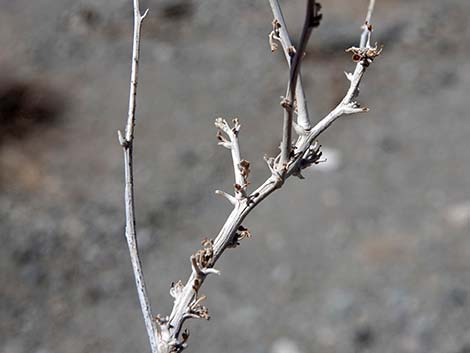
227	145
349	76
354	107
211	271
229	197
144	15
122	140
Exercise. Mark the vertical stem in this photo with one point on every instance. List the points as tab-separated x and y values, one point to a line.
302	111
309	23
138	18
365	32
131	237
127	145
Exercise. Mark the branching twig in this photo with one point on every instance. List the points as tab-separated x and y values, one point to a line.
126	142
348	105
281	34
312	19
170	336
241	167
306	153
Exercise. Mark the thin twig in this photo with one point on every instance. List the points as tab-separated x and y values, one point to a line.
127	145
348	105
288	104
303	119
240	167
365	30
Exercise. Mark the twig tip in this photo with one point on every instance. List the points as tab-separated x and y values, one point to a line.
144	15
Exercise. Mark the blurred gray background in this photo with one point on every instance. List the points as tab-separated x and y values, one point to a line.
371	253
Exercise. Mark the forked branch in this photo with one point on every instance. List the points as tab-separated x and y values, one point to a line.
166	333
241	167
281	35
312	19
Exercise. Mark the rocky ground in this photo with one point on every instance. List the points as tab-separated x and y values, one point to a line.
369	254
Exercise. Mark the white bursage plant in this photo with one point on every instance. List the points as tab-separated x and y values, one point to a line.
166	334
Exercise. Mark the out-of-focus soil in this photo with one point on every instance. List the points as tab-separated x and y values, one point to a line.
371	253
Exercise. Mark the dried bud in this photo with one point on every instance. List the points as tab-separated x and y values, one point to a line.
291	51
274	35
286	104
185	335
221	137
206	242
243	233
272	44
276	25
356	58
244	167
176	289
317	17
366	55
196	284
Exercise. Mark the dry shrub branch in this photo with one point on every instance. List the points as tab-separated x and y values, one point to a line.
166	333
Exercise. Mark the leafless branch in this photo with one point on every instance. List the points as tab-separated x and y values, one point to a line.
281	34
312	19
366	30
241	167
231	230
364	56
127	146
166	333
